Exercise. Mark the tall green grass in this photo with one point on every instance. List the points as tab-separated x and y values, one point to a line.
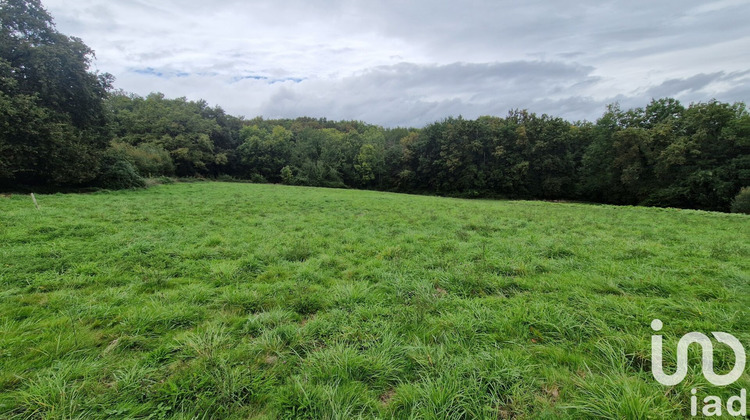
217	300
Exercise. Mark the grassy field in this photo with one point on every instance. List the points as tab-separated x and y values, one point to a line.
218	300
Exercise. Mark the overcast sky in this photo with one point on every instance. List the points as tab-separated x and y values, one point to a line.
408	63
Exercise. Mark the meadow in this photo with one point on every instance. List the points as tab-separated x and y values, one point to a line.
227	300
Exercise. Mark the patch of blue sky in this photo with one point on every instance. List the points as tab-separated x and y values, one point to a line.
150	71
249	76
287	79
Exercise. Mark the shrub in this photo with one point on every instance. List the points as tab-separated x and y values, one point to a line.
741	202
149	159
258	179
119	174
165	180
150	182
226	178
287	177
190	179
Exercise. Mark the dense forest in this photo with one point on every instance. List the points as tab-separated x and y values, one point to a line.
63	126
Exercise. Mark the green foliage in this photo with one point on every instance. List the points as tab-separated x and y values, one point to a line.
667	155
660	155
287	176
148	159
365	164
198	138
119	174
165	180
741	202
258	179
52	118
228	300
265	153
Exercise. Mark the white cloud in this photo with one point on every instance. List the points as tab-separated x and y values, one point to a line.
394	62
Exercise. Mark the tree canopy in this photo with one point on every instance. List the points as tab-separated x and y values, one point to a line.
664	154
53	125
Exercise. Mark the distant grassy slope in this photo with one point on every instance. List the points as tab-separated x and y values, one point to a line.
238	300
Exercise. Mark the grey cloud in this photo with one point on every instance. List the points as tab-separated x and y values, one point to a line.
469	79
674	87
570	55
393	62
413	94
503	30
691	87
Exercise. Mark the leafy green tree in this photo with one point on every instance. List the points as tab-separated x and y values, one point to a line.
188	130
547	159
404	161
369	163
265	153
709	159
668	155
319	157
366	163
612	163
52	117
287	176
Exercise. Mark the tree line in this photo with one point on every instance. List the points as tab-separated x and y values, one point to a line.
62	125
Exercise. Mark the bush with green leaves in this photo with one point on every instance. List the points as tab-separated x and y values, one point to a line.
741	203
165	180
150	159
119	174
287	176
258	179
